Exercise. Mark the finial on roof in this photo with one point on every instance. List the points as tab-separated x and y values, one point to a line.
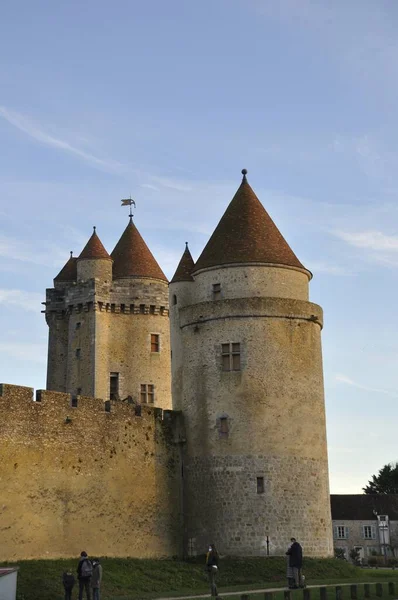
186	244
94	228
244	173
71	253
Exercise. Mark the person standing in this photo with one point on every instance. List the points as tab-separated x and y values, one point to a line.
96	578
84	572
295	554
212	569
68	582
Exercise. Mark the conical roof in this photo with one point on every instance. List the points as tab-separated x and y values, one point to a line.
246	234
68	271
94	248
185	267
132	257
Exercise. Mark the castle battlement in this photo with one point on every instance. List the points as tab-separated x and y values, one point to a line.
68	408
139	308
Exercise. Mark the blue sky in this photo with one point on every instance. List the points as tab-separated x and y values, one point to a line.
168	101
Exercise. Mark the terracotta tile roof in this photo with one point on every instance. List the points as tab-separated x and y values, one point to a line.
185	267
132	257
246	234
68	271
94	248
360	507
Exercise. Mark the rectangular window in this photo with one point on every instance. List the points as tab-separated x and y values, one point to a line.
78	353
114	386
152	309
154	342
223	425
78	325
230	356
260	485
142	309
147	393
369	532
216	291
341	532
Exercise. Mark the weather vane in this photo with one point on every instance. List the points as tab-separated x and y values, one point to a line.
129	202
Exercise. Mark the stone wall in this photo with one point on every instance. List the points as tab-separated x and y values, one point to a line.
74	478
274	430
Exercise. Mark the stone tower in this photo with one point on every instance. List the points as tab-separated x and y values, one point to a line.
108	318
247	374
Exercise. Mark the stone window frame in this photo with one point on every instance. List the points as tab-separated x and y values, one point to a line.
231	356
260	484
114	390
216	291
147	393
154	339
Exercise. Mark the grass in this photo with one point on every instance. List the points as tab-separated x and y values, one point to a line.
132	579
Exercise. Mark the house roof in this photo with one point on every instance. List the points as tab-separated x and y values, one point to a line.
132	257
246	234
360	507
185	267
94	248
68	271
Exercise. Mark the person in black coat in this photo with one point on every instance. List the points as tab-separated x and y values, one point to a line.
295	554
212	569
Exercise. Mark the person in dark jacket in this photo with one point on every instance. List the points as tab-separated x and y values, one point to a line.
295	554
68	581
96	578
212	569
84	572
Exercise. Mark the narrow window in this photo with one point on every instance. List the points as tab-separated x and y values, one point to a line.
154	342
78	325
78	353
216	291
143	393
142	309
114	386
74	402
112	307
230	354
151	393
107	405
122	308
174	299
152	309
224	425
260	485
132	309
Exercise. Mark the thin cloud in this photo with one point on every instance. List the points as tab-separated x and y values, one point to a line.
373	240
16	249
25	125
348	381
24	351
30	301
318	267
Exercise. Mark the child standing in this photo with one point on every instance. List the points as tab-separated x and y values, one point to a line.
68	581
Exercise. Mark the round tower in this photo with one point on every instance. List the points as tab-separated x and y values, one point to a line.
249	379
94	261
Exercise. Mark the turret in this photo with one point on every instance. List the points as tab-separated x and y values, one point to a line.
94	261
247	363
180	289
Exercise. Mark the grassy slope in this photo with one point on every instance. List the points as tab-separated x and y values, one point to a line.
133	578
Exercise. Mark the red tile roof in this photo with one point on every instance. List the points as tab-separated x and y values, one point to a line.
246	234
94	248
68	271
185	267
132	257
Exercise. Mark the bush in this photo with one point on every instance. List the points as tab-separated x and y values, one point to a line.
376	561
355	557
392	562
339	553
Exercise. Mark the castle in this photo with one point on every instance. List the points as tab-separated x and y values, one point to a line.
175	414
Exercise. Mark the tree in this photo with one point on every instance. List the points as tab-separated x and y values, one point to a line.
385	482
